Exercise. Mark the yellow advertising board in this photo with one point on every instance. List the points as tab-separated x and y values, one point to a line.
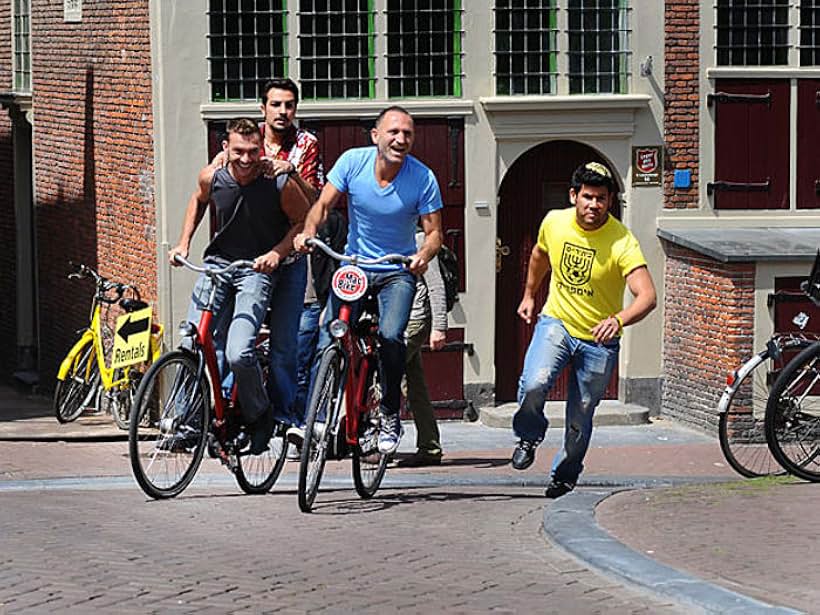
132	338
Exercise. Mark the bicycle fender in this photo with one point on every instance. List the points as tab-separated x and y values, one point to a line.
157	331
741	374
86	338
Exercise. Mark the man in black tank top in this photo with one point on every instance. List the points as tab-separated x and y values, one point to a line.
256	219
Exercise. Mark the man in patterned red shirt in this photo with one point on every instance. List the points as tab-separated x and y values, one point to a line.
293	151
296	151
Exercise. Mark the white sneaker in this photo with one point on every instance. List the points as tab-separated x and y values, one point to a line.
296	436
390	433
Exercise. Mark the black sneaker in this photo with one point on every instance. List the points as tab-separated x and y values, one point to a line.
557	488
524	454
261	432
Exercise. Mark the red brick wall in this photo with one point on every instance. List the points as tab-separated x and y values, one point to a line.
8	295
708	331
94	158
681	114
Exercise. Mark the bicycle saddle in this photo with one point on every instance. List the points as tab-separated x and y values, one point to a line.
132	305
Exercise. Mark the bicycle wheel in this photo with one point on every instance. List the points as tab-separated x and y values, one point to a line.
118	401
793	415
168	425
256	474
368	464
321	417
740	425
75	392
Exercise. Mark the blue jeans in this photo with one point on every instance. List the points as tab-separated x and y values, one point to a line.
240	306
551	349
394	291
306	349
287	295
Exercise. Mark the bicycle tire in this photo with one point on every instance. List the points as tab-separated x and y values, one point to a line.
369	465
169	425
793	415
324	403
256	474
118	401
741	432
73	393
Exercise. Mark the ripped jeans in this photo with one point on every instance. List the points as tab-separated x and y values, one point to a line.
551	349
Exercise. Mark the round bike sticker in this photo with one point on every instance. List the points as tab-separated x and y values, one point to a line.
349	283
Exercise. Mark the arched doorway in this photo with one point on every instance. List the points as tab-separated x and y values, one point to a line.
537	182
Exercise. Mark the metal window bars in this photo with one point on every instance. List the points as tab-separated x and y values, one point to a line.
599	50
337	48
752	32
424	48
525	46
247	42
809	33
22	45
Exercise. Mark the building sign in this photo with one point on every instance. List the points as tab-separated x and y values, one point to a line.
72	10
647	165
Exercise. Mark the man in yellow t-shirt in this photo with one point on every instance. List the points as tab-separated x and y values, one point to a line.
593	257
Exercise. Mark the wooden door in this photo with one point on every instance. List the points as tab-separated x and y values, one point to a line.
536	183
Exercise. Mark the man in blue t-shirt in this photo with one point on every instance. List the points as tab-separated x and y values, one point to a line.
389	192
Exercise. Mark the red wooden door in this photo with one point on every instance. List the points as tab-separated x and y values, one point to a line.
536	183
808	135
751	144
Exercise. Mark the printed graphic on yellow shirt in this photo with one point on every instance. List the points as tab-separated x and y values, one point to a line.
576	264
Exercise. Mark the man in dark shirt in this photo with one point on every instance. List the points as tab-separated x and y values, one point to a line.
257	219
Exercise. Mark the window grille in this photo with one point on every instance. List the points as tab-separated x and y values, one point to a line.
525	46
247	40
336	48
752	32
424	48
22	45
598	46
810	33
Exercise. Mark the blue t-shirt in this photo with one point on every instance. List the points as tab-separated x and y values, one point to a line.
383	220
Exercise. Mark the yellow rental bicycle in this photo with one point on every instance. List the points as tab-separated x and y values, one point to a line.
104	367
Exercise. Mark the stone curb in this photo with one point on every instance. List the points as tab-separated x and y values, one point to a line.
570	524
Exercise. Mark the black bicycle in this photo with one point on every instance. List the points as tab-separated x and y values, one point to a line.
792	420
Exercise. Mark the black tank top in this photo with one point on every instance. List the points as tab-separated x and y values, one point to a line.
249	219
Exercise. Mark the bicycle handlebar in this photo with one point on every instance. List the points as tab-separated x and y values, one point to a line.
104	285
399	259
210	271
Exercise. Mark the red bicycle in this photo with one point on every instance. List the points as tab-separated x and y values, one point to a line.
349	369
171	423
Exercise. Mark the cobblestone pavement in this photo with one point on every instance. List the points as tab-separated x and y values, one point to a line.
753	537
454	550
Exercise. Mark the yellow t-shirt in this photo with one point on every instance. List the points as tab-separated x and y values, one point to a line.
588	269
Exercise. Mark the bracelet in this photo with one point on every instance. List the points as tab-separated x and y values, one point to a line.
620	322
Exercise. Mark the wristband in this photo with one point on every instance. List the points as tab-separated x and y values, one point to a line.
620	322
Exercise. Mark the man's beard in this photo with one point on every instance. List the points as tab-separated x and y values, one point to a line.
279	130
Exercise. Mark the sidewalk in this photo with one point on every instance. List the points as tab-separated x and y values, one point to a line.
657	506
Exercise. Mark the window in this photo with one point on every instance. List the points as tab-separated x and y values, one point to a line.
525	47
598	46
763	33
336	48
810	33
529	57
423	48
247	41
753	34
22	46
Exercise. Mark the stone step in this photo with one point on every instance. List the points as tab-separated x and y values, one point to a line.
609	412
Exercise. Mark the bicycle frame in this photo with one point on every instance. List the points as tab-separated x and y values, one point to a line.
360	356
204	343
93	335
